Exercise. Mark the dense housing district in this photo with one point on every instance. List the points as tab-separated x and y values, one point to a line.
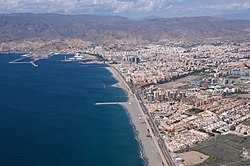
192	93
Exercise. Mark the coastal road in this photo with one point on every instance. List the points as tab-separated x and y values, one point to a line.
156	133
154	148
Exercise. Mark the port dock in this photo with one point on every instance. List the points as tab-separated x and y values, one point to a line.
33	56
17	61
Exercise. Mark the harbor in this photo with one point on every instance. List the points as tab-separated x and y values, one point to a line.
31	58
84	58
18	61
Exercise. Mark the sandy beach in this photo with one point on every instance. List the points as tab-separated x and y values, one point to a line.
150	150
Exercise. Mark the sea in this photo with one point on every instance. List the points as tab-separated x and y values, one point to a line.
48	116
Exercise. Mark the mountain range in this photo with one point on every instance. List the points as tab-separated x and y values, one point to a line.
100	29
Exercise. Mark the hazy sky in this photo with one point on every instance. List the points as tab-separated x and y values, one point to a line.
131	8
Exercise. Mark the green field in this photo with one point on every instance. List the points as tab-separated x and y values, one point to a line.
224	150
246	122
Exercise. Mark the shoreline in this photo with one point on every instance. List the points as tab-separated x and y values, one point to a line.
148	148
142	151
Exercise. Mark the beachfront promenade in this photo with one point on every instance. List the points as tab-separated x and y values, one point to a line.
162	145
154	148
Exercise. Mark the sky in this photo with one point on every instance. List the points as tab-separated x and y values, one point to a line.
133	8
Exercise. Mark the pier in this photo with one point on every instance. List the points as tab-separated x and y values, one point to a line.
19	59
109	103
34	57
31	62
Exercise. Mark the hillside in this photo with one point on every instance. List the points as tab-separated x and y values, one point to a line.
110	28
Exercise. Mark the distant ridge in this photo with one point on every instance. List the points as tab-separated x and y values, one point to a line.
111	28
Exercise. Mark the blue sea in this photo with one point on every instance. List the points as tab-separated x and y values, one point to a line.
48	116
